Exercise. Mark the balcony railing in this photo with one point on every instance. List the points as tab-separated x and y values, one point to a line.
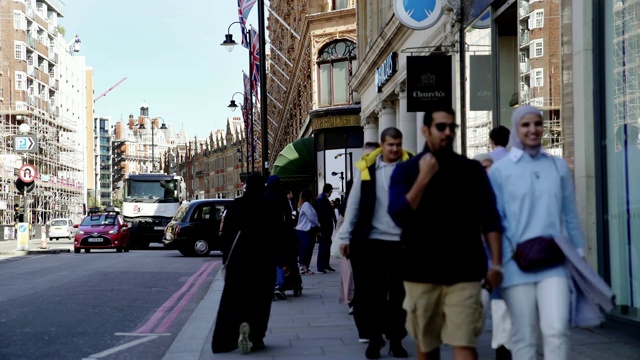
524	9
31	42
524	39
525	67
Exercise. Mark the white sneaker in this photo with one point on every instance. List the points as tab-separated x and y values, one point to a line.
244	344
363	341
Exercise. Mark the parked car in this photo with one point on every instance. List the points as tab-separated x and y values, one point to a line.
61	228
194	229
102	230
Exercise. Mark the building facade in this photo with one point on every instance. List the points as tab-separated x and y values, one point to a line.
103	160
43	86
312	61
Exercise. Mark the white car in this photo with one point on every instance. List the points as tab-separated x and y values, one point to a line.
61	228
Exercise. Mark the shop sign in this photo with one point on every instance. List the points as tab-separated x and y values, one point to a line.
386	71
418	14
429	82
480	83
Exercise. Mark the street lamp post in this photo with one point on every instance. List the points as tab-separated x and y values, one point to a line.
230	43
162	127
233	106
345	162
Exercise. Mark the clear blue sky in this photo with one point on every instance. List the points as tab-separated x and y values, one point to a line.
170	52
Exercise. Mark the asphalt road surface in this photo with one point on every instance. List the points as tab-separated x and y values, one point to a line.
101	305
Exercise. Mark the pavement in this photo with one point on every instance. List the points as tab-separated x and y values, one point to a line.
315	326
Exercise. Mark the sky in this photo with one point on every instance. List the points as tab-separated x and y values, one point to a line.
170	53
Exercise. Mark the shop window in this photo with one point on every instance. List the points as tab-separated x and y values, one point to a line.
336	63
538	77
536	48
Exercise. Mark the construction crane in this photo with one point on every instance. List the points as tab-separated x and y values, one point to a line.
108	90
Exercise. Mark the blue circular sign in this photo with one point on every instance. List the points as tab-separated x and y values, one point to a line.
22	228
484	22
418	14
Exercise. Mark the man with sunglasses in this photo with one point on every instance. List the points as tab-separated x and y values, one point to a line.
443	202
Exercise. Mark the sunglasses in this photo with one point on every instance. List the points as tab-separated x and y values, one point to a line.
443	126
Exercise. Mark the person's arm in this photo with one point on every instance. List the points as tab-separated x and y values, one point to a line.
569	209
351	212
310	213
428	167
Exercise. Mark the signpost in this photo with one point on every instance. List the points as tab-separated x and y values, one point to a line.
27	174
25	143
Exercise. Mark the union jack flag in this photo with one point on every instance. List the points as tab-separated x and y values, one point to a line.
244	8
255	61
247	99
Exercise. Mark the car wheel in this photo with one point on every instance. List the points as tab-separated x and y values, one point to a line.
119	249
201	248
76	250
185	252
87	250
126	248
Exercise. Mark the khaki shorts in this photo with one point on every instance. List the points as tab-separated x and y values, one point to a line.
449	314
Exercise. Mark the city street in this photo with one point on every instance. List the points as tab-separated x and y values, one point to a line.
98	305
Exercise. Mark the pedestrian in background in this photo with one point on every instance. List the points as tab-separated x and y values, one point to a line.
372	241
246	299
498	140
307	228
327	218
536	201
444	202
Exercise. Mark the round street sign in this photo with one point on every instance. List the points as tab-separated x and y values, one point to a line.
27	173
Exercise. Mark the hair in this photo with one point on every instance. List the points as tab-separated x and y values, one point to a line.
305	196
428	116
391	132
500	135
327	187
370	145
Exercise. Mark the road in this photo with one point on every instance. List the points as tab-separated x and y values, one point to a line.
101	305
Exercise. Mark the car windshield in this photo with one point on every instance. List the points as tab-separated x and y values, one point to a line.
99	219
182	211
58	222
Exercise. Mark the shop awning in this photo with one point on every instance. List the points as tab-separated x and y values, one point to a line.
296	160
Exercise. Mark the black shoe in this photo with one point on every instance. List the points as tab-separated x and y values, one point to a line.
502	353
396	350
321	271
329	268
373	349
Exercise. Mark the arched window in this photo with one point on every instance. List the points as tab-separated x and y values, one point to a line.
337	62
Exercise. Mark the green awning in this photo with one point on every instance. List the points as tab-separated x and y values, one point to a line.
296	160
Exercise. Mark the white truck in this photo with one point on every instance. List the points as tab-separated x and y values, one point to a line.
150	202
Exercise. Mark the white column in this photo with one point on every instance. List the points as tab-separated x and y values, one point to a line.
370	126
419	137
386	116
406	121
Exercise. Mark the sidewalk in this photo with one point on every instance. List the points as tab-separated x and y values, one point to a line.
8	247
315	326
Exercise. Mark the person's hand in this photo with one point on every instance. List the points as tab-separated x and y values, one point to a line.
428	165
493	279
344	249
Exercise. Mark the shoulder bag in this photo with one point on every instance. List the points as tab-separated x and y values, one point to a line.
539	253
223	269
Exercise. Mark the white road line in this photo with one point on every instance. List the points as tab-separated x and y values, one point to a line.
121	347
137	334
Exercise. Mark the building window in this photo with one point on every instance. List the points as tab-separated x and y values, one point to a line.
335	67
538	77
537	101
536	48
19	20
20	51
20	81
340	4
536	19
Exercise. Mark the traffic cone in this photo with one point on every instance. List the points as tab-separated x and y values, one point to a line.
43	240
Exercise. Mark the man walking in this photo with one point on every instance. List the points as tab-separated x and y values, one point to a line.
444	202
327	219
371	239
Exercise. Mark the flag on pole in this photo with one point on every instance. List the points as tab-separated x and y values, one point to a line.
244	8
255	61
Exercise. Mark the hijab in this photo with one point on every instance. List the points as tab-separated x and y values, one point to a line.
516	118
